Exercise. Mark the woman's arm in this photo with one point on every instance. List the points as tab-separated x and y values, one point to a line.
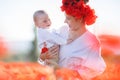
52	53
56	66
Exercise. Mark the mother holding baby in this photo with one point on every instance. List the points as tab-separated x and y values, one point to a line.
83	54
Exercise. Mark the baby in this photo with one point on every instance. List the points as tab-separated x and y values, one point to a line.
47	37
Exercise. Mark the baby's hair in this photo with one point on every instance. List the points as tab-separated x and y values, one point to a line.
38	13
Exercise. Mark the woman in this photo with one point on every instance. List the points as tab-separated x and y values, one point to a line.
83	53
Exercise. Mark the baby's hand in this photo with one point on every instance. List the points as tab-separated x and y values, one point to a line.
43	56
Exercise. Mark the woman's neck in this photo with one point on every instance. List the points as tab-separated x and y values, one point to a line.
78	32
81	30
74	34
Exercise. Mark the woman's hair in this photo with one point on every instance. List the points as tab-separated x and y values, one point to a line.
79	9
86	1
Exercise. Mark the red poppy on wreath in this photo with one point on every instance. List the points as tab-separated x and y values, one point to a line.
78	9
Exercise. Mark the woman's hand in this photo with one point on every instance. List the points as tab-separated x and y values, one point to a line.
52	51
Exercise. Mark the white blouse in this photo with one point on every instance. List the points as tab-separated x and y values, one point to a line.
82	55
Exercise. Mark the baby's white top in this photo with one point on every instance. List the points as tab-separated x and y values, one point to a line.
50	36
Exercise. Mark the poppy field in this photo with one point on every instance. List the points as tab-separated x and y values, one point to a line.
34	71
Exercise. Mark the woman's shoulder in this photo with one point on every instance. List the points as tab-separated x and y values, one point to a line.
91	38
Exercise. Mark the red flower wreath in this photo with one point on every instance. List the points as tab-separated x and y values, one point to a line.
78	9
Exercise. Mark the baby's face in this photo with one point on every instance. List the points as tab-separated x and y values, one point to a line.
42	21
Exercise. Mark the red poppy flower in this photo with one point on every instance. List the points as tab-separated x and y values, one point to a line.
44	49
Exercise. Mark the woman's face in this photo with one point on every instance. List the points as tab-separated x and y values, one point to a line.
72	22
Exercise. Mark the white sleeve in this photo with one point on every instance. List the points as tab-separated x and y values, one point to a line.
90	67
94	62
42	36
58	38
39	38
51	37
59	35
64	30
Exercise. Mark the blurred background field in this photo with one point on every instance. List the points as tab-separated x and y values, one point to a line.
111	53
18	50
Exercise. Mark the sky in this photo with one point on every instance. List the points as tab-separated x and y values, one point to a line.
16	17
